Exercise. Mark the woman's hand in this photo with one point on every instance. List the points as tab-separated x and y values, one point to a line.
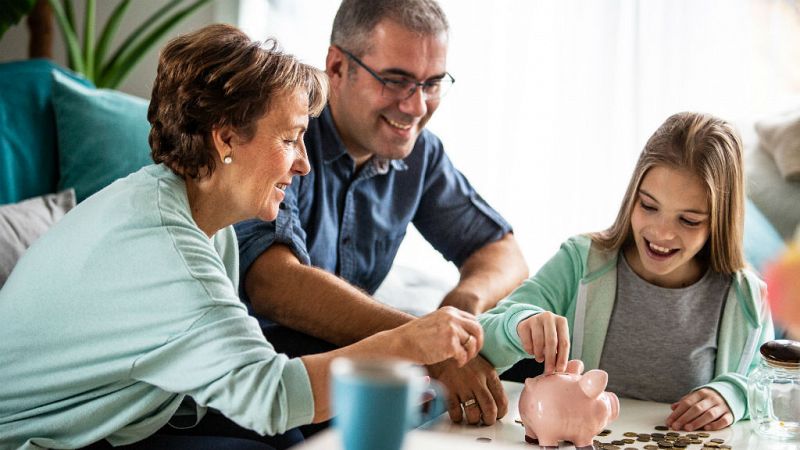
446	333
702	409
443	334
546	337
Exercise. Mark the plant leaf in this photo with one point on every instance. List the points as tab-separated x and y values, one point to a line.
128	42
88	39
122	66
70	38
70	15
12	11
108	33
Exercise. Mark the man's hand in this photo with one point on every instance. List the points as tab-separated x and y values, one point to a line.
476	381
703	409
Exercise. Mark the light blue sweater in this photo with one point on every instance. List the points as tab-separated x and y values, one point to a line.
121	311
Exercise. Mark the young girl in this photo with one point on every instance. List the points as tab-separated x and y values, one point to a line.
660	300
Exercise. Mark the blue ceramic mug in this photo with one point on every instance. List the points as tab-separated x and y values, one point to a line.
375	401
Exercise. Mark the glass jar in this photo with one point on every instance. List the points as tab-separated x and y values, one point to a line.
774	391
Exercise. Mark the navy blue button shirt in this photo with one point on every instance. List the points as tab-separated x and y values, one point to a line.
351	222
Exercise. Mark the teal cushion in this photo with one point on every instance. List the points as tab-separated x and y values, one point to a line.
28	155
102	135
762	242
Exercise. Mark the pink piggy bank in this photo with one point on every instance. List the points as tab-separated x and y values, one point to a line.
567	406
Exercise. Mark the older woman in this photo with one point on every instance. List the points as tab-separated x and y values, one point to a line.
125	317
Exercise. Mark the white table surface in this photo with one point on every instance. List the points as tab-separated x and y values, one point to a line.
636	416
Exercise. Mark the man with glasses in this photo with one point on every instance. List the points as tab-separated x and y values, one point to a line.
375	170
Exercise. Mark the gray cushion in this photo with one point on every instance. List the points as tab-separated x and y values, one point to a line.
777	198
780	137
22	223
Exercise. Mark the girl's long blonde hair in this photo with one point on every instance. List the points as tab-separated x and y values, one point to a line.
710	149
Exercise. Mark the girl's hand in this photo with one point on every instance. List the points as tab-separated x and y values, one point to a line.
546	337
702	409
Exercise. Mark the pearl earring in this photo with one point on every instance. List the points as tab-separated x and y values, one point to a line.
227	159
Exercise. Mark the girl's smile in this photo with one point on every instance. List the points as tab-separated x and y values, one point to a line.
670	225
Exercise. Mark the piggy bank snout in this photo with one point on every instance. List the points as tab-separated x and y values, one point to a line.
613	403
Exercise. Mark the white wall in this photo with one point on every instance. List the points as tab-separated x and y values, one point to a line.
14	43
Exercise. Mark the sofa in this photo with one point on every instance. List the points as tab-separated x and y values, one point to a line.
61	140
772	174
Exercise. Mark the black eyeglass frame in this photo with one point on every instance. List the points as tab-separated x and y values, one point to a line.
416	84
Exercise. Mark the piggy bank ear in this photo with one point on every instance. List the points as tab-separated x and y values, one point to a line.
593	382
575	366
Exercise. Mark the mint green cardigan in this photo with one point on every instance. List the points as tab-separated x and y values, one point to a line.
580	283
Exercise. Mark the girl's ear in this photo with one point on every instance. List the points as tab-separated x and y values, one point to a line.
223	138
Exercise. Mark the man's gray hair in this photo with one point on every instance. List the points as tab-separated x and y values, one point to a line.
356	19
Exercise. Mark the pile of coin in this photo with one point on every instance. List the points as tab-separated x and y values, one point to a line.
659	440
656	441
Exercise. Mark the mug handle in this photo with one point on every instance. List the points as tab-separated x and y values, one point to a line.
438	403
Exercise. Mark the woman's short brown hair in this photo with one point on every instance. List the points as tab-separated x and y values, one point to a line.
215	77
710	149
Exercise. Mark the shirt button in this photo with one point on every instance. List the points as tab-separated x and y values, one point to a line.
282	206
346	240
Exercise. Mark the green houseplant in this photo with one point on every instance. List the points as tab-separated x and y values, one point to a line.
90	54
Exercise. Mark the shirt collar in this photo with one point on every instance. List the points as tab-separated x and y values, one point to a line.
332	148
382	165
336	150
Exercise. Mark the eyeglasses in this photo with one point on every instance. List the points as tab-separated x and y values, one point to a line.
402	88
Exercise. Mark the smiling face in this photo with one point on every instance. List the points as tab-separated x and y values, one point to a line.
264	165
670	225
368	122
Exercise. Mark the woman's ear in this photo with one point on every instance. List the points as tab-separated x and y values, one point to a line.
223	138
